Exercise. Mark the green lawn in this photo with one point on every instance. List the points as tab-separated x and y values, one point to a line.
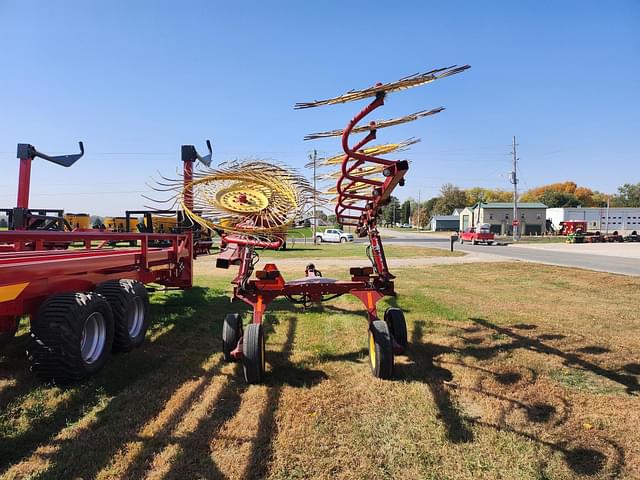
350	249
514	372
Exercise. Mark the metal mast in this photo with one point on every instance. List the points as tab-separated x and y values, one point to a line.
514	181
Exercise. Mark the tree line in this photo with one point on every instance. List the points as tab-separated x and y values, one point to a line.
554	195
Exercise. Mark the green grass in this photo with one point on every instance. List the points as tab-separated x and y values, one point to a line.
351	249
538	239
503	380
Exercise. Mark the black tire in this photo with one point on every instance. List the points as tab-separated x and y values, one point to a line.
461	241
57	350
343	240
380	350
129	302
319	239
474	242
231	333
394	317
489	243
7	337
253	350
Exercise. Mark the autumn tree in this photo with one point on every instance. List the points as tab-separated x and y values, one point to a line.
476	194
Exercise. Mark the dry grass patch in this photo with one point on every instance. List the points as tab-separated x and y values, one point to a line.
515	371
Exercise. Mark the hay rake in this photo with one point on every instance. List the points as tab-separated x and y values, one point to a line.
251	204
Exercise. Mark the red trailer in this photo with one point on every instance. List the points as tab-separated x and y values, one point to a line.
83	302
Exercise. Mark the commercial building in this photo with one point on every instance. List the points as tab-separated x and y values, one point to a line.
622	219
444	223
499	215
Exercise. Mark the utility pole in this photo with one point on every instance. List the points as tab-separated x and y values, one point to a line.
315	193
608	203
514	181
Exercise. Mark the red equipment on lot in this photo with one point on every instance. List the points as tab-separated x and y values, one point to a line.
359	201
83	302
572	226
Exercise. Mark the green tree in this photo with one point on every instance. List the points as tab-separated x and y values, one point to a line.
391	212
628	195
451	197
406	212
556	199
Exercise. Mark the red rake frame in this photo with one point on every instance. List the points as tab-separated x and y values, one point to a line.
368	284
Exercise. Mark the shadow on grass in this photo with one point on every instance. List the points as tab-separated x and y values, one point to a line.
424	369
519	341
136	387
579	454
283	373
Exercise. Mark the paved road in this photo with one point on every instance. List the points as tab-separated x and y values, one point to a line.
602	263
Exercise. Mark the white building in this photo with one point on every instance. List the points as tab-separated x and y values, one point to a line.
622	219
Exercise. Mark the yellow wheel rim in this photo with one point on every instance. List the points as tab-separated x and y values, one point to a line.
372	350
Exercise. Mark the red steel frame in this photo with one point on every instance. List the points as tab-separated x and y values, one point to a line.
30	270
368	284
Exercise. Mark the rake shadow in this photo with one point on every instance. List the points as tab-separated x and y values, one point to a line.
127	379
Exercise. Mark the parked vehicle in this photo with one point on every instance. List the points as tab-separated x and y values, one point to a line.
334	235
406	225
480	234
634	237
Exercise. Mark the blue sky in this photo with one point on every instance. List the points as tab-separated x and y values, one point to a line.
134	80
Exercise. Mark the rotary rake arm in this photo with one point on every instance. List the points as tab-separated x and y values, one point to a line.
360	195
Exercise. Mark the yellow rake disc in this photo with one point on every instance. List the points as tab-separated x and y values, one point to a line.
376	125
402	84
252	198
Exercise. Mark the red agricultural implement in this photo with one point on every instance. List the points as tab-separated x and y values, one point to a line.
85	301
360	197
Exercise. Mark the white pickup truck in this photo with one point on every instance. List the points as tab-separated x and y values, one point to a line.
334	235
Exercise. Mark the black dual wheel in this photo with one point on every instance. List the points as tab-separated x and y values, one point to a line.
253	353
231	333
129	302
394	318
71	337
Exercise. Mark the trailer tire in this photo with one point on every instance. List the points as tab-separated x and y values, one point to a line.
253	350
394	317
7	337
58	350
129	302
380	350
231	333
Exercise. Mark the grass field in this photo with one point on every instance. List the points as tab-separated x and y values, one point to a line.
355	250
515	371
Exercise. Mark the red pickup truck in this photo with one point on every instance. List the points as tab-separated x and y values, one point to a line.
476	235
